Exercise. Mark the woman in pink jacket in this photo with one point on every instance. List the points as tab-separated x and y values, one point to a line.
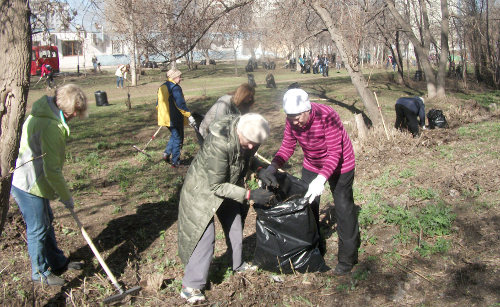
328	156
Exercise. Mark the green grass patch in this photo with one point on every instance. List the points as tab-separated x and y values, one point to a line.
387	180
123	174
484	131
484	99
441	246
419	193
369	214
432	221
407	173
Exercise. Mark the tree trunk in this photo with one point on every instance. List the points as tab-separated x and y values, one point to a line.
399	60
357	78
360	126
235	62
133	43
15	47
207	56
421	48
445	26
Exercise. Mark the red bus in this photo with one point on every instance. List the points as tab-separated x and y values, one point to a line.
41	55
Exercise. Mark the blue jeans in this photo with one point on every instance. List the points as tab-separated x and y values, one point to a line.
42	245
119	81
174	144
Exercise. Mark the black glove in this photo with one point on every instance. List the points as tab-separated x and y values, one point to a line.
267	177
260	196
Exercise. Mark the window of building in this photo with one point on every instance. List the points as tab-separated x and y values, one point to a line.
71	48
116	47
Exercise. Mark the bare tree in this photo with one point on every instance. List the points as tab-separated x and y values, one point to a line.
347	35
237	27
15	47
435	80
173	29
478	25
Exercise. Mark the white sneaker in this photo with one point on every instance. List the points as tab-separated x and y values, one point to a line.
246	267
192	295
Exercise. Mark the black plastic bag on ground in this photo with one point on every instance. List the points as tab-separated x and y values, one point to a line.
436	119
287	234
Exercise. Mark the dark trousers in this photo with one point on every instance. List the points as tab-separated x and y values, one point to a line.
345	213
50	79
406	119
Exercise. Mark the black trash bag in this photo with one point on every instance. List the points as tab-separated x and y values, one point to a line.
286	232
436	119
101	99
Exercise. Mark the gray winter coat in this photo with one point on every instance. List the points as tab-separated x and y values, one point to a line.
222	107
216	173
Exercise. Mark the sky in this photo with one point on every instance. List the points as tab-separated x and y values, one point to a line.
88	14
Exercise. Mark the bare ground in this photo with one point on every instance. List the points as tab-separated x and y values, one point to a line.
138	239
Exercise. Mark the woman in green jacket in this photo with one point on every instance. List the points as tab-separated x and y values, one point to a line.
39	179
214	184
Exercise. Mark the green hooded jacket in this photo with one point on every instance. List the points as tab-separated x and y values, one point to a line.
216	173
44	132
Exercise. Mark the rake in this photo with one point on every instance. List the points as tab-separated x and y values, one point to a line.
122	292
143	151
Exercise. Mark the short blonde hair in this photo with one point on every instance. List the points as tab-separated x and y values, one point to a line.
242	92
70	98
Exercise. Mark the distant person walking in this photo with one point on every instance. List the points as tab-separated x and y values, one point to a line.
407	111
174	114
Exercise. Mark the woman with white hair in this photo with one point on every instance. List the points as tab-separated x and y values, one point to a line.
39	179
214	185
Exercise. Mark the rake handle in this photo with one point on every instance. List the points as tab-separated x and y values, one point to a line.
267	161
96	253
152	138
380	110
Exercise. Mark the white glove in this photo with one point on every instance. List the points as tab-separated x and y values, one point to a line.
69	204
192	122
424	128
316	188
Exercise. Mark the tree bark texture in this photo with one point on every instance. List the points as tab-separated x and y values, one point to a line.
421	47
351	65
15	45
445	49
361	126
